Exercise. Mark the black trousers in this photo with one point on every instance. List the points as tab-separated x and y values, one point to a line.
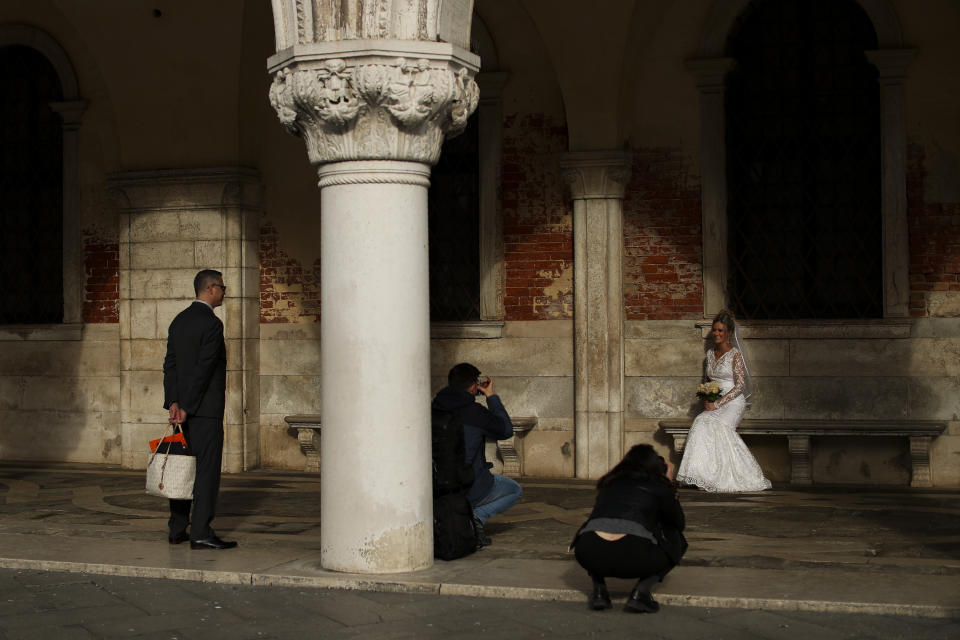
205	441
628	557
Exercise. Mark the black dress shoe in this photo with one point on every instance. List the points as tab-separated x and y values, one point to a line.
213	542
177	538
641	602
600	599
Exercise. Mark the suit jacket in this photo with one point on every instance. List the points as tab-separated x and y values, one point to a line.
195	368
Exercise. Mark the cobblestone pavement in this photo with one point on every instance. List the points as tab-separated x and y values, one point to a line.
53	606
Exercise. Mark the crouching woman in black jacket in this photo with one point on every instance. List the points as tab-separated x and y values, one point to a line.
635	529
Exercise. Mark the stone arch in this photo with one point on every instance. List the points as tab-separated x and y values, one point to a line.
27	36
710	69
723	14
71	110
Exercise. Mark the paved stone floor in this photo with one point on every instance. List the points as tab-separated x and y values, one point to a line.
882	551
53	605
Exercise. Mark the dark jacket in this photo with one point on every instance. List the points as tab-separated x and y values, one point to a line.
479	423
195	368
652	504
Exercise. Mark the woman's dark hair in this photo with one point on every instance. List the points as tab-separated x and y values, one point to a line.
642	461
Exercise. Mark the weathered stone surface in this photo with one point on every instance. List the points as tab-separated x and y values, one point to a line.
162	255
63	436
289	357
290	394
548	454
662	330
945	460
861	460
143	319
539	329
663	358
515	357
279	448
943	304
70	394
79	358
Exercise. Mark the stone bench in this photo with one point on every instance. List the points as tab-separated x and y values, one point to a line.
798	432
308	434
512	460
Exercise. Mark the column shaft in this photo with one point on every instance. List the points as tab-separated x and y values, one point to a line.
375	346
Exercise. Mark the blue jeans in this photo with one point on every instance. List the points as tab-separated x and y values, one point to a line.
504	494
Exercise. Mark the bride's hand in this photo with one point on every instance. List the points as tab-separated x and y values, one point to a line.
709	406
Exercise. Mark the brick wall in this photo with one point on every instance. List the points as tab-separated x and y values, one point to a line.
663	256
101	262
288	292
934	237
538	221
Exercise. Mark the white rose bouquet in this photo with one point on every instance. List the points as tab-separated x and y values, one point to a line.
709	391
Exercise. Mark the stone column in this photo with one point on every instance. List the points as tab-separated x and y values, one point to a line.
597	181
73	286
373	109
172	224
892	66
710	75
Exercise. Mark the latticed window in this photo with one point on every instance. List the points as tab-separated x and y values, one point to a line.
803	162
31	183
454	203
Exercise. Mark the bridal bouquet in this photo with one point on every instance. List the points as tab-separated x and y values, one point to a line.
709	391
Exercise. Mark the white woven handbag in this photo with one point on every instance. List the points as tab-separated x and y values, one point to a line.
171	476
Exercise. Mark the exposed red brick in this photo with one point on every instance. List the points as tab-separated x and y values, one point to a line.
934	241
538	221
288	291
101	291
662	244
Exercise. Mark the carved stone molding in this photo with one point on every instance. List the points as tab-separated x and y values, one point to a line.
374	107
596	175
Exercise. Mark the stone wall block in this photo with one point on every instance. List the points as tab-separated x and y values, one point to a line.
123	286
123	308
154	227
250	256
233	224
147	355
161	283
59	358
77	395
211	252
162	255
143	319
663	357
202	225
138	437
864	398
126	355
233	411
231	317
167	310
145	395
250	308
505	357
11	392
944	457
232	447
543	397
123	228
662	397
548	454
279	448
60	436
290	394
291	357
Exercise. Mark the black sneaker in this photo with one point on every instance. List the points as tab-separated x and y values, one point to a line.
483	540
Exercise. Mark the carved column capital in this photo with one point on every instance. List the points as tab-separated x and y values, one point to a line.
370	105
596	175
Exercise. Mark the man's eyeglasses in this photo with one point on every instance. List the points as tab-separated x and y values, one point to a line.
223	287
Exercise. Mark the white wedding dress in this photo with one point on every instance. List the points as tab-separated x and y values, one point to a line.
715	458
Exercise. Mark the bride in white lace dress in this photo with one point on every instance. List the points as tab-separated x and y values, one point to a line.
715	458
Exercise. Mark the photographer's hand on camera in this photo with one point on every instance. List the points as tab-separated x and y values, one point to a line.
486	387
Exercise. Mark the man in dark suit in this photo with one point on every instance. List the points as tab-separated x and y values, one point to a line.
194	386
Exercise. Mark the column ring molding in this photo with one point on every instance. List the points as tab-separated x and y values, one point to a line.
374	172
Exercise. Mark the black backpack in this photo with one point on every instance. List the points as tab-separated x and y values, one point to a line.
451	471
454	535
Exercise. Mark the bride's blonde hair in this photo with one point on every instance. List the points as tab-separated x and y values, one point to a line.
727	318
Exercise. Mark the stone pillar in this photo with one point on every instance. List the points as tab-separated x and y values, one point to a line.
597	181
892	66
172	224
373	93
710	75
73	286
